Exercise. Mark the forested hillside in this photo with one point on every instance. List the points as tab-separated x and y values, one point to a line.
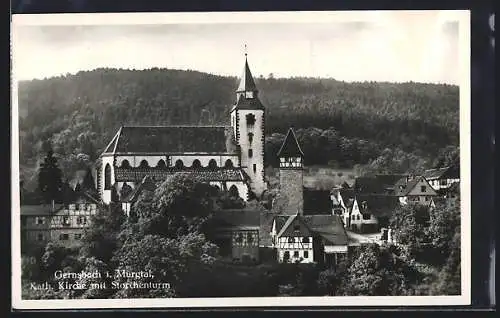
345	123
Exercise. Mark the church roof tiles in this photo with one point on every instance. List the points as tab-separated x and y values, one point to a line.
173	139
156	174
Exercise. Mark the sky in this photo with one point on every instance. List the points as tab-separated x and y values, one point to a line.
376	46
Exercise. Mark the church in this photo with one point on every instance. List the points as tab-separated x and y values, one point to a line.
229	157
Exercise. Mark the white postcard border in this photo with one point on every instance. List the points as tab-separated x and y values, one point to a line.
463	16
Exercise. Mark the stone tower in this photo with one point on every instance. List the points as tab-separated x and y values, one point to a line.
291	159
247	120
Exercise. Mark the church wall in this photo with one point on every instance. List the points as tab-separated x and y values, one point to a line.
258	184
106	194
291	186
135	161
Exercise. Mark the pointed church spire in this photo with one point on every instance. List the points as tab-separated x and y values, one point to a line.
247	83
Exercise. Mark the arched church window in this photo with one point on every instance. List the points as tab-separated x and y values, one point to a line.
229	163
250	137
233	191
179	164
196	164
144	164
107	177
250	119
125	164
212	164
161	164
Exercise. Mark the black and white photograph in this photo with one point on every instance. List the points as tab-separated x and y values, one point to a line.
241	159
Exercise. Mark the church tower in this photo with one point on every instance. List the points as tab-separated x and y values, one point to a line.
247	121
291	159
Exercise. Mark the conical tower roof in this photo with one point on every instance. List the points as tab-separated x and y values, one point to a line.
290	147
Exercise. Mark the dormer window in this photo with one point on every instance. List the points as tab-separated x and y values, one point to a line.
248	94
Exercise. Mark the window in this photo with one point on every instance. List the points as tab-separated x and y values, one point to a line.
212	164
40	220
228	164
250	153
291	240
366	216
82	220
427	198
143	164
250	137
233	191
254	168
65	220
358	217
179	164
196	164
286	255
78	236
107	177
353	217
161	164
250	119
306	254
63	237
40	237
249	94
443	182
423	188
125	164
305	240
295	253
82	206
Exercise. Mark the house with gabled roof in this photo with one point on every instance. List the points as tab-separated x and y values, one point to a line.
443	178
371	212
414	189
229	157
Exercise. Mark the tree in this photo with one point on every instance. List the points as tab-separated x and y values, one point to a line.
50	178
88	183
378	271
409	224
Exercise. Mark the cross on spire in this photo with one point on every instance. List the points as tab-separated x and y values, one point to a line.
245	50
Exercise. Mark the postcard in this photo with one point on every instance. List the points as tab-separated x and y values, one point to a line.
241	159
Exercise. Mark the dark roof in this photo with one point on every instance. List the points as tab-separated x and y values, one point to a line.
246	82
158	174
378	205
303	228
329	227
452	172
40	209
378	184
87	196
404	186
317	201
248	103
346	194
173	139
237	218
290	146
